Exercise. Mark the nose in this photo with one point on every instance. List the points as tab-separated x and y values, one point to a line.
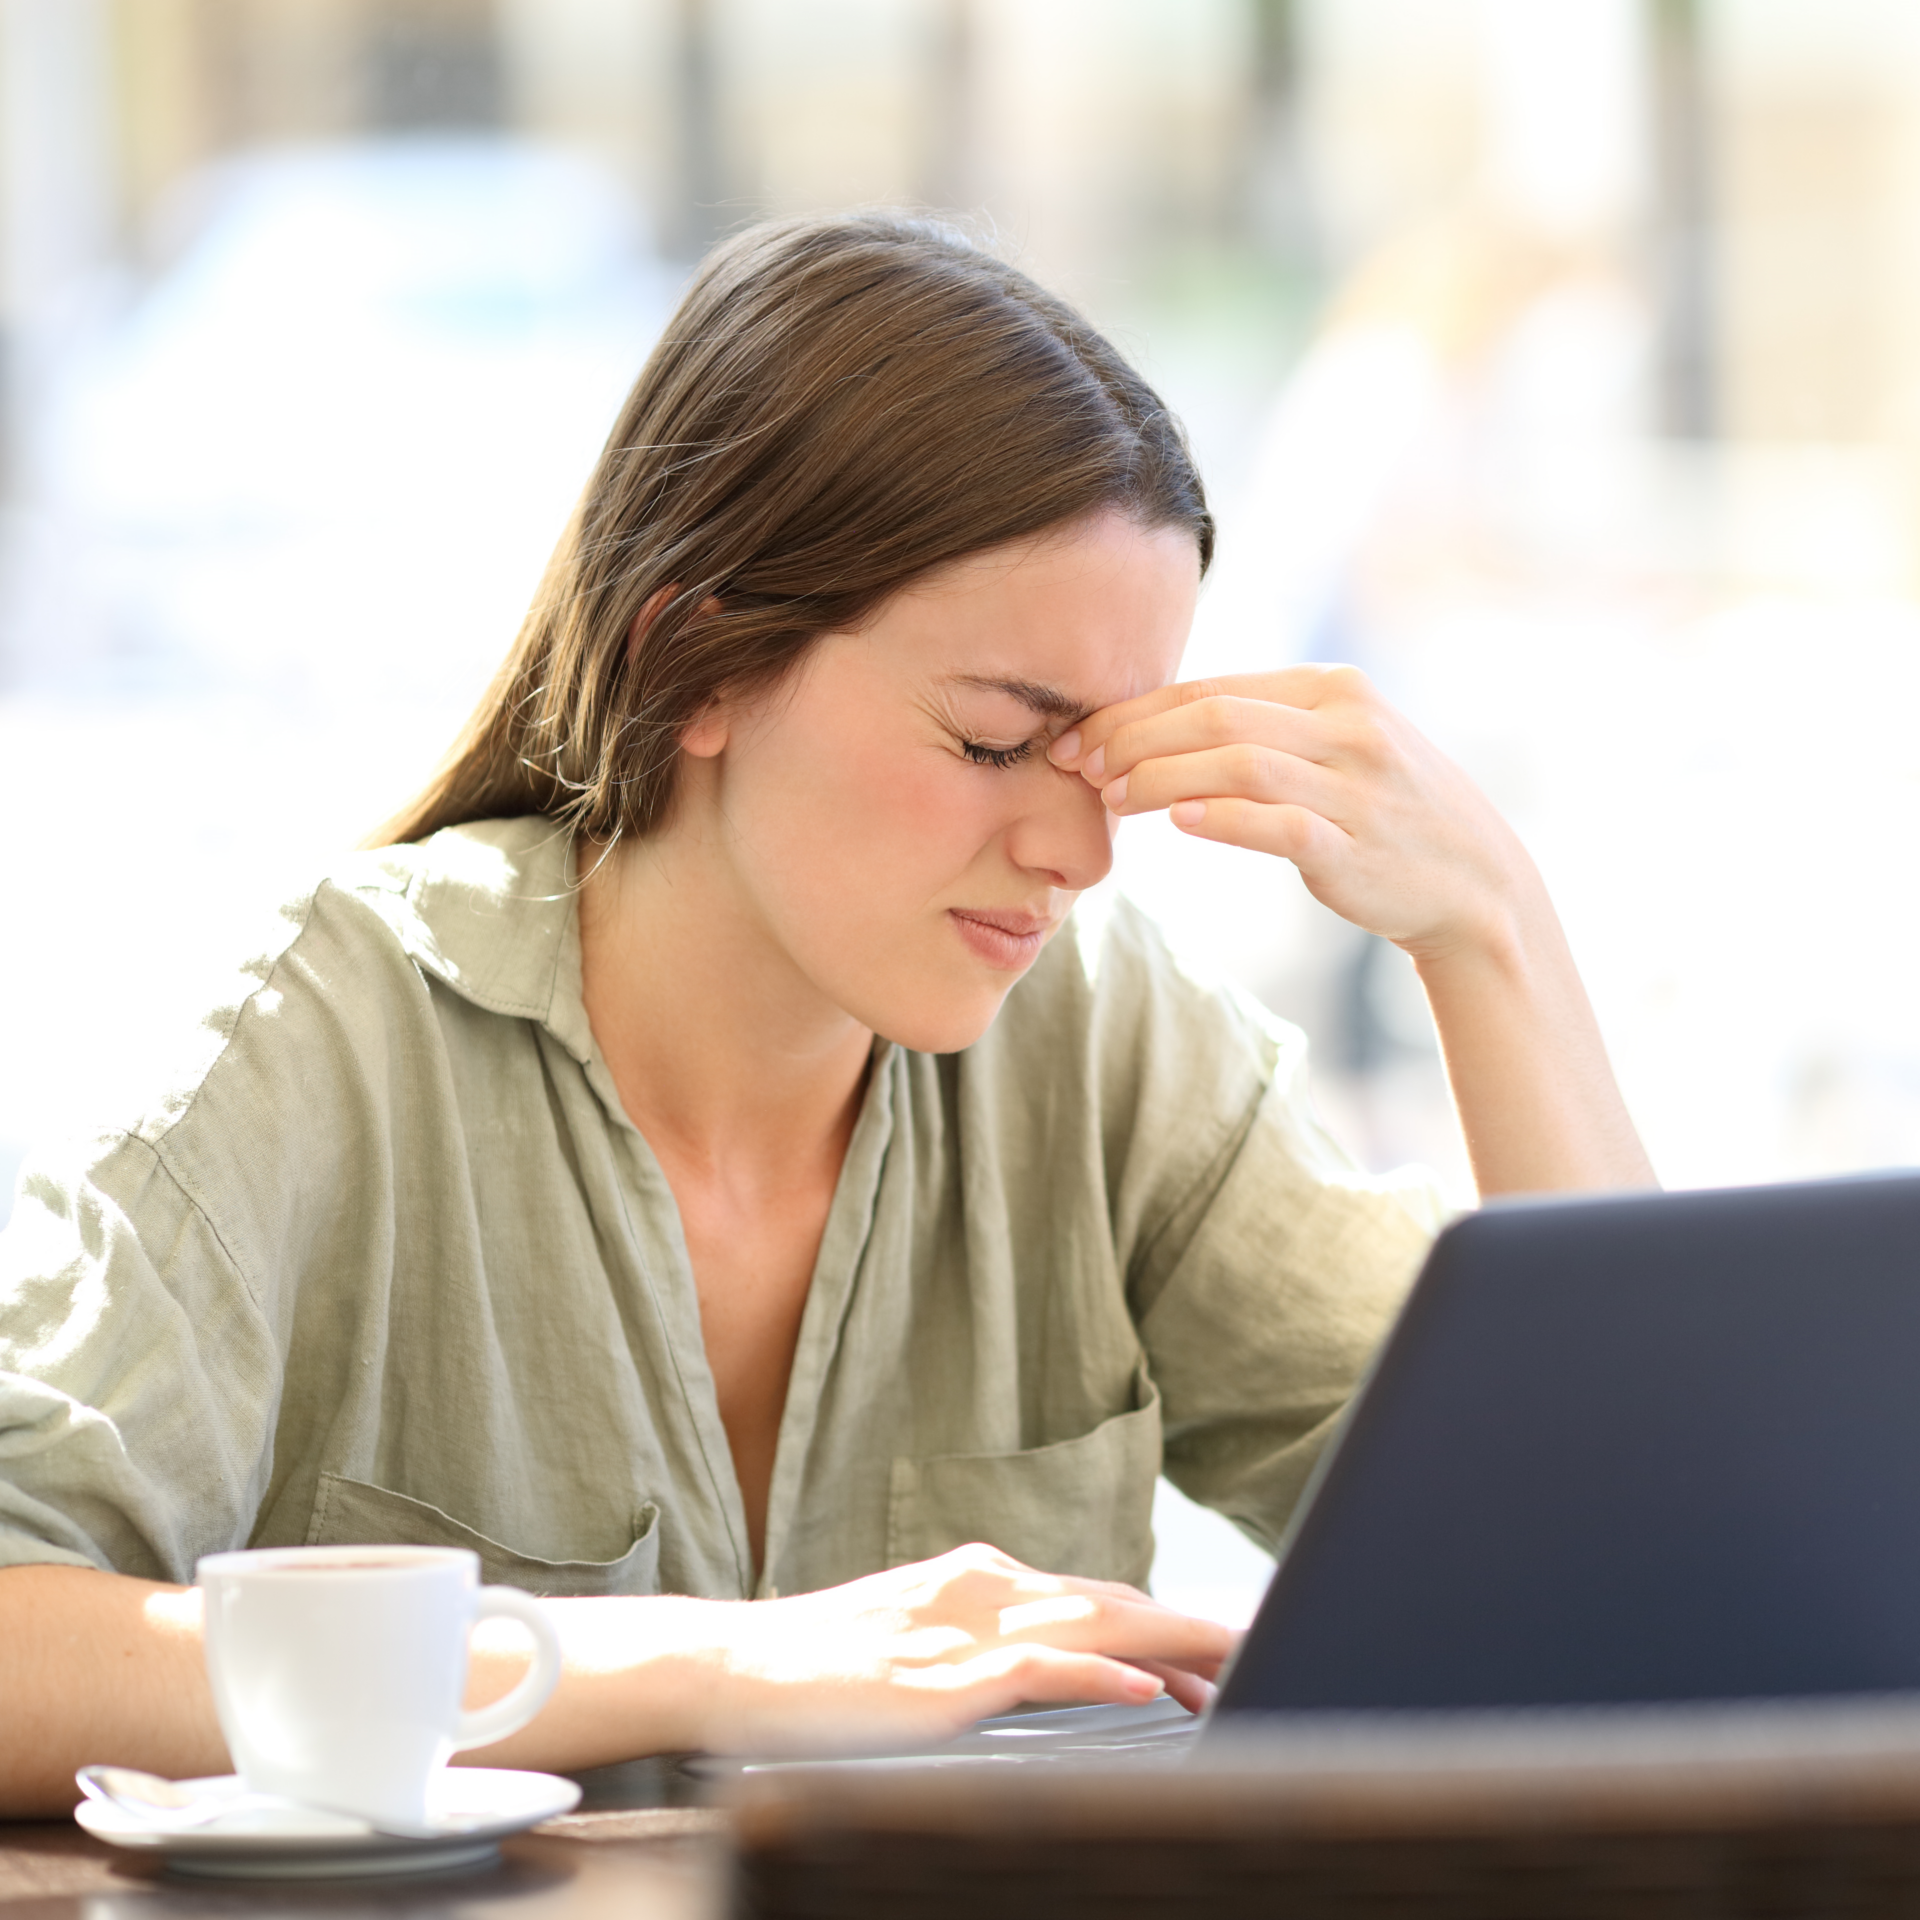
1064	835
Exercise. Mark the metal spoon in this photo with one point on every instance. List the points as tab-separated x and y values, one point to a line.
173	1806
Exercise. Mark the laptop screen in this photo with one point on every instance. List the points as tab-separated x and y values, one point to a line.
1640	1448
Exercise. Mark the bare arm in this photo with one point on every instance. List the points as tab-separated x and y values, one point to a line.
1530	1076
100	1667
97	1666
1311	765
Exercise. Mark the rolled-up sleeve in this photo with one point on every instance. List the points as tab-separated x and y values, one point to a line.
138	1375
1273	1306
1263	1267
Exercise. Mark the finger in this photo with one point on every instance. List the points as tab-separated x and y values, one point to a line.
1195	1695
1221	721
1306	687
1127	1629
1001	1680
1288	832
1073	747
1113	1590
1192	1692
1218	1646
1209	1668
1243	771
1119	1591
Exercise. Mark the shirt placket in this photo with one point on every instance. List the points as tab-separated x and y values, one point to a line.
829	1296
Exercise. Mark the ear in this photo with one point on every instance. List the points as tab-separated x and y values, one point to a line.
704	737
656	601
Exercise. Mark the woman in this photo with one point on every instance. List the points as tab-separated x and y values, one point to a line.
694	1162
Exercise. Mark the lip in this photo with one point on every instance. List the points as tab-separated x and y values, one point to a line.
1008	941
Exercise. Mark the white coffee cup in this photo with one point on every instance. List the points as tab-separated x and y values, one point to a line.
338	1671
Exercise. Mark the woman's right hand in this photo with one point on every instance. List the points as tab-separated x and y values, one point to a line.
919	1653
898	1659
96	1663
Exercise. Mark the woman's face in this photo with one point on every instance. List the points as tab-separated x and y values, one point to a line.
887	820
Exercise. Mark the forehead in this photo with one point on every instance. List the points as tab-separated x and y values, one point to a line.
1069	622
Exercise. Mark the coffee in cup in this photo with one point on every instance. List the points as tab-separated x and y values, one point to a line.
338	1672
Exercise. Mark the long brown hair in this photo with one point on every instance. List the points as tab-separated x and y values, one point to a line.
838	406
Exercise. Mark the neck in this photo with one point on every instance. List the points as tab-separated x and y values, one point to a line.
724	1056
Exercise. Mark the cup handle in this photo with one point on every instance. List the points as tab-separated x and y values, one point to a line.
534	1688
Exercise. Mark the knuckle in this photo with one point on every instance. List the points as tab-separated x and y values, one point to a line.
1286	832
1298	828
1093	1613
1010	1656
974	1575
1028	1662
1248	767
1368	741
970	1591
1223	720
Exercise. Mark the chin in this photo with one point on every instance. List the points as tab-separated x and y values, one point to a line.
937	1029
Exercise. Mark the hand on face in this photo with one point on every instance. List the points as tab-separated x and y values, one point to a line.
921	1652
1309	763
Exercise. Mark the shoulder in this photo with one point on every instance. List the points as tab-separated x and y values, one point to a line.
487	907
336	975
323	1051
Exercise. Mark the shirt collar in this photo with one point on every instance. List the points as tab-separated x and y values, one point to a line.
491	908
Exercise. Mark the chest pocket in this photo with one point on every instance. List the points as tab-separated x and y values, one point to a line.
353	1513
1082	1506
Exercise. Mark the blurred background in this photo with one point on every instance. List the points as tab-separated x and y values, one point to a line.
1558	361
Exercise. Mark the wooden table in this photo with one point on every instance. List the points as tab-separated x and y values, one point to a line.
1803	1818
650	1864
634	1849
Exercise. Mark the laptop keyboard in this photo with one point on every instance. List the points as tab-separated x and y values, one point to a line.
1152	1736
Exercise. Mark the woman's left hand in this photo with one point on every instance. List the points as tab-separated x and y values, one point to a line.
1309	763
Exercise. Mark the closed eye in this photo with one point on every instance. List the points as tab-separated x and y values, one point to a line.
1003	757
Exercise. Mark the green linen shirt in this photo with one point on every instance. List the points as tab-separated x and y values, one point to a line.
390	1263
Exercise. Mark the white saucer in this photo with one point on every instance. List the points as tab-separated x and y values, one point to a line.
473	1806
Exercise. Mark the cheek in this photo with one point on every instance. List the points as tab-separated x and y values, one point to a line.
875	822
939	812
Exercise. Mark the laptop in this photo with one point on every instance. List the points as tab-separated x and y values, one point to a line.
1627	1451
1646	1448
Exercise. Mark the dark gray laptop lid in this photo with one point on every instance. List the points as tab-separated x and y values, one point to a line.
1659	1447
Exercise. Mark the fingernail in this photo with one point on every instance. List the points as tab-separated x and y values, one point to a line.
1096	764
1116	794
1146	1686
1187	813
1066	749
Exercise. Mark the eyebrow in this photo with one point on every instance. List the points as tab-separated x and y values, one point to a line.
1049	702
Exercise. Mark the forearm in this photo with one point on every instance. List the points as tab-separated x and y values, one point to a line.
1531	1081
98	1667
101	1667
637	1678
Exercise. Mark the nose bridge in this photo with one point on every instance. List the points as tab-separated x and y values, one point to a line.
1065	832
